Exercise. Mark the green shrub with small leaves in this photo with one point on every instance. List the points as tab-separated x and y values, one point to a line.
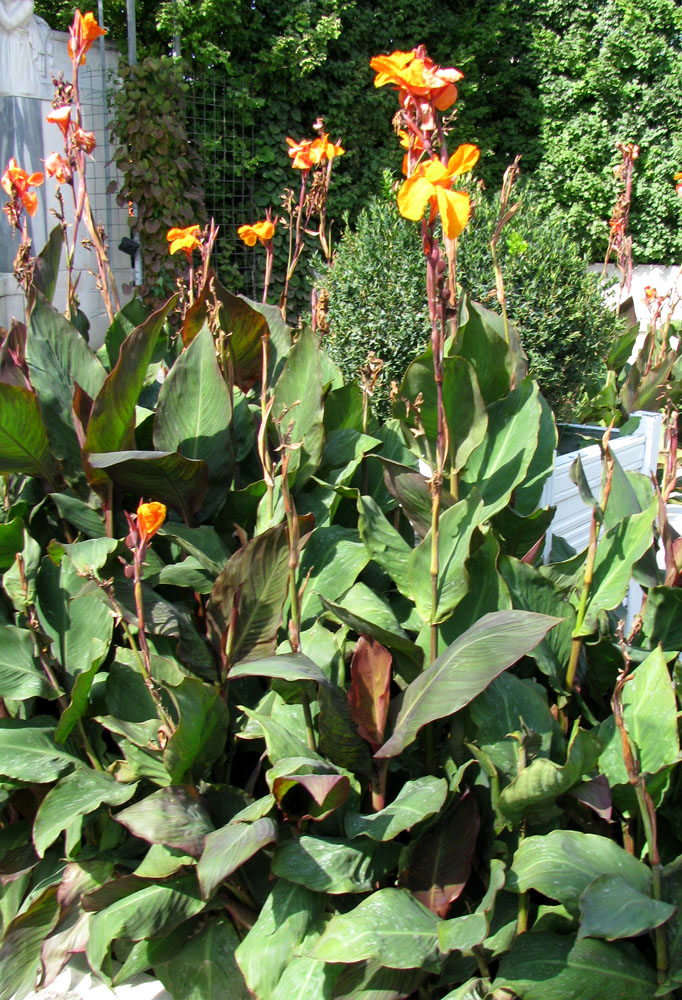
376	296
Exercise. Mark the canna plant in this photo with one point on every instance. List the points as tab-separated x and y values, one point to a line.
281	716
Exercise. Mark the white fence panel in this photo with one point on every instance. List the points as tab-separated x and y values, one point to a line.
636	452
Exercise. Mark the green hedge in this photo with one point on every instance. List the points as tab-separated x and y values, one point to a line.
376	289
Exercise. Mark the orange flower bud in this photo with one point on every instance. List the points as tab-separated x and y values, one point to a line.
150	517
84	140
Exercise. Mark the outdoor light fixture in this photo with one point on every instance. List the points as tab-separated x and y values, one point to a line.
129	246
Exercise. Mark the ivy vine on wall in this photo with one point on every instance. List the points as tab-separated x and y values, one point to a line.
161	173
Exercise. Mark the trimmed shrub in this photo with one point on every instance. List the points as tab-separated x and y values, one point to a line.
376	296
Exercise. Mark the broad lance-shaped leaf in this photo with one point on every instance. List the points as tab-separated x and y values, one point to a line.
464	670
179	482
200	734
481	340
455	529
543	781
617	552
28	751
562	864
112	420
284	666
71	935
416	801
411	490
298	406
466	932
335	865
21	944
464	409
368	694
440	861
151	912
406	652
332	560
650	714
310	796
611	908
287	917
386	546
528	494
24	447
228	848
255	582
59	361
20	676
174	816
76	794
204	966
46	266
390	926
193	412
544	966
501	461
278	740
371	980
531	591
11	542
245	328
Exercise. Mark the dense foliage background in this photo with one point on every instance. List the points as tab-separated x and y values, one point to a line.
557	81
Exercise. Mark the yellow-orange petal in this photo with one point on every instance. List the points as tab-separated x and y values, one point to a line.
264	230
453	207
464	158
413	196
183	239
61	117
247	234
446	98
150	517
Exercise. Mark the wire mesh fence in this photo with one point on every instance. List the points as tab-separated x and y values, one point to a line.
95	84
225	142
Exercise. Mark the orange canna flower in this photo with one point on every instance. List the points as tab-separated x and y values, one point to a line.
322	149
56	166
84	140
184	239
417	148
431	184
650	293
150	517
310	153
417	76
300	154
61	117
84	31
678	186
15	182
262	231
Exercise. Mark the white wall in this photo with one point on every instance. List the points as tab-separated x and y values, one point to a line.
25	134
